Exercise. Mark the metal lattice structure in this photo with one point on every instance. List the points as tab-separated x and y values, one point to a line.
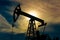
31	31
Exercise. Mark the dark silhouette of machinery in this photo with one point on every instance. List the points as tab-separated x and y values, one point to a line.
31	31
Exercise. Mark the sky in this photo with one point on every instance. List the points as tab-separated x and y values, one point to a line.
48	10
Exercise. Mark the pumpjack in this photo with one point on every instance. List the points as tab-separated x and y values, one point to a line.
31	31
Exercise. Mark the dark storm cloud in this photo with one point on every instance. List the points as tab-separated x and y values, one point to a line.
53	29
7	2
7	16
5	8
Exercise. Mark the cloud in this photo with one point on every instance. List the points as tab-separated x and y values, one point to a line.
4	25
5	9
48	10
53	29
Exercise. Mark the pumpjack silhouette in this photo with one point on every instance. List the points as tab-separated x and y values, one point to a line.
32	32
